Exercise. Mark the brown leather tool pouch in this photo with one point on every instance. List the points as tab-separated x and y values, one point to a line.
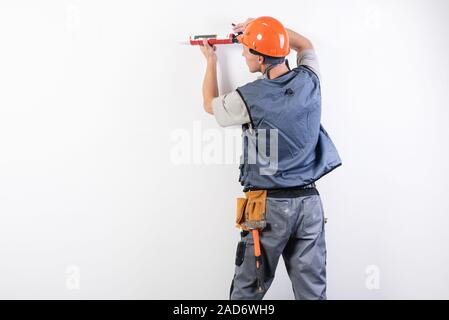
251	210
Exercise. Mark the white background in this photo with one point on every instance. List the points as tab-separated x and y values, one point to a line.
93	205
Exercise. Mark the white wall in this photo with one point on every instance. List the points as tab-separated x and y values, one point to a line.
94	94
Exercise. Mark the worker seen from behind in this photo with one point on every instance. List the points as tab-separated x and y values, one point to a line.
285	151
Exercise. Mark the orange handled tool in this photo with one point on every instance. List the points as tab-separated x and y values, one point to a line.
258	256
256	246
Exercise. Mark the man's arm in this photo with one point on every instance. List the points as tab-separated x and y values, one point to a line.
228	109
305	53
298	42
210	85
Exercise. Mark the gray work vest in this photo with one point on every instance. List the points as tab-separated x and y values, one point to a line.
285	144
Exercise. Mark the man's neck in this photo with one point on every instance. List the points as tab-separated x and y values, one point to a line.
276	71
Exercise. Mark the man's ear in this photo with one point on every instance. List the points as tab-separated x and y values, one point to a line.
260	59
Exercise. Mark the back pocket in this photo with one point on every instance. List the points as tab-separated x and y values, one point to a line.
312	218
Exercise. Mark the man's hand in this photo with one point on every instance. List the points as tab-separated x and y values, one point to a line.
240	27
208	51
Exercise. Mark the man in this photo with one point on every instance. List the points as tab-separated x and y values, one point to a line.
286	103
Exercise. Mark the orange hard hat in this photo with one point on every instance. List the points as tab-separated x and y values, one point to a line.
267	36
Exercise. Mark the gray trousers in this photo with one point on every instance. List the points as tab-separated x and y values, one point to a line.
295	230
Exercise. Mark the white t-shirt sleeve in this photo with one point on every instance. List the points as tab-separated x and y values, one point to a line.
308	57
230	110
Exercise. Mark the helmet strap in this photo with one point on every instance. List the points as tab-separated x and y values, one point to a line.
271	66
267	70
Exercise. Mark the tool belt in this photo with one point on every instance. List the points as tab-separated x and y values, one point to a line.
250	213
